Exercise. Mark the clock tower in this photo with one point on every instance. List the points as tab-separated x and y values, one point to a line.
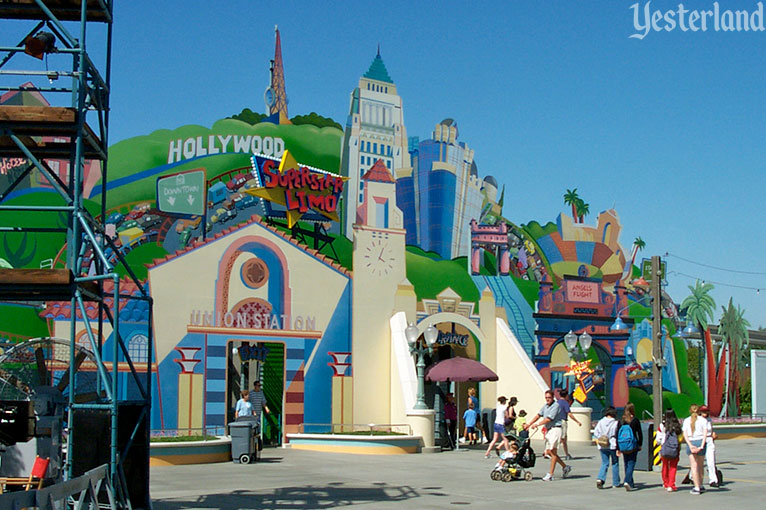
379	267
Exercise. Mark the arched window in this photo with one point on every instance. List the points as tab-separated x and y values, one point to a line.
138	348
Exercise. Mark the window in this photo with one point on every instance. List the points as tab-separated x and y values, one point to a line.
381	214
375	148
388	164
138	348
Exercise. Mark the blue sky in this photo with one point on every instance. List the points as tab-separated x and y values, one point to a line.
551	95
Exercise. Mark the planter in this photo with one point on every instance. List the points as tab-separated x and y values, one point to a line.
739	431
357	444
191	452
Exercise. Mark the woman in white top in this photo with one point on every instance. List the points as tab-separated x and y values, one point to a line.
499	426
695	431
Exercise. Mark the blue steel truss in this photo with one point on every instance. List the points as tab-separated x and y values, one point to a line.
75	130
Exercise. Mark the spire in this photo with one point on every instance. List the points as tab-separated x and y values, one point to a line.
377	70
279	103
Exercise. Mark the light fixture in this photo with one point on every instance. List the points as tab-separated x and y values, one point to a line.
40	44
431	334
570	340
629	352
411	333
585	341
689	330
420	349
618	325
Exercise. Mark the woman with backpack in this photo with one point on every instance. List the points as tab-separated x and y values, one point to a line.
670	450
695	431
605	434
629	440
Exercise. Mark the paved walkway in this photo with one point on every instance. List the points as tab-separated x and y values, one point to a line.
293	479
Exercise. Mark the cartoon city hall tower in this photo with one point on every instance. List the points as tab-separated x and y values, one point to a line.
379	267
374	130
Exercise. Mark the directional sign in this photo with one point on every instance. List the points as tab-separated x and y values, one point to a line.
646	270
182	193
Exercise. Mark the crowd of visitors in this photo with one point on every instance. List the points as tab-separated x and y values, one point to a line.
615	438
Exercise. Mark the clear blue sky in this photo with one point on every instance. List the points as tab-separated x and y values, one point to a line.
551	95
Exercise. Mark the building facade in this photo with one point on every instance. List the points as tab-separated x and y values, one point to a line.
441	193
374	130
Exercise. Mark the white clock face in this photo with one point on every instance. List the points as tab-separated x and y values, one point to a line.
378	258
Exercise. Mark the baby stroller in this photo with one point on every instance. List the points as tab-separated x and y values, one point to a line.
519	465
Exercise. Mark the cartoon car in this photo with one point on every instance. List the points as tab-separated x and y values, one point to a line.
128	224
246	201
114	218
148	220
236	182
188	224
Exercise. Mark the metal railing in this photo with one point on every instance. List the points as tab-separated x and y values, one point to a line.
80	492
371	429
207	433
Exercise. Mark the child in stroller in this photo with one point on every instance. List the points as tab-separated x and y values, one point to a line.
515	463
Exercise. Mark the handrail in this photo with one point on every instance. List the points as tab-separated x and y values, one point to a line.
83	491
341	428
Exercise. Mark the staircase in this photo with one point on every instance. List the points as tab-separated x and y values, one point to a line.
515	306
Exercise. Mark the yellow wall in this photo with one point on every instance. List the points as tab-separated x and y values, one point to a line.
180	285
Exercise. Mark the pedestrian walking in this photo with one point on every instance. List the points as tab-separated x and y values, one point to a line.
605	433
566	409
629	441
710	437
258	400
551	423
501	415
470	417
695	432
450	416
243	407
670	449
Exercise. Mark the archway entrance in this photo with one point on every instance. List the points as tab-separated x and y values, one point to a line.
249	361
601	363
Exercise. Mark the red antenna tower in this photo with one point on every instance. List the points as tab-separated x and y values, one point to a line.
278	100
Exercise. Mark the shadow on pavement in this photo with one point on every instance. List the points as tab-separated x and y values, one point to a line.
300	497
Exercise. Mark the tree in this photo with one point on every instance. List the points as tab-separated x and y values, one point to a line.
582	209
315	119
249	116
699	307
571	198
733	330
638	245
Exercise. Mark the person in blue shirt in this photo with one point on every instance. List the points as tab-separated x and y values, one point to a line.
470	416
244	407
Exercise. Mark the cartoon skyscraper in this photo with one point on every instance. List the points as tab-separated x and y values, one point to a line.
374	130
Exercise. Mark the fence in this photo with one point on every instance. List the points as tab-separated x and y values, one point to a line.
80	492
206	433
371	429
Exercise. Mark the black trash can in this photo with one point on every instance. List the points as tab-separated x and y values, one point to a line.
244	446
645	459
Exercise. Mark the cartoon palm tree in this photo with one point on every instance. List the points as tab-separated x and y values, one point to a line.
699	306
735	336
582	209
571	198
638	245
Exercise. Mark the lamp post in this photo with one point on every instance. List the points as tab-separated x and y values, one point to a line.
655	293
571	340
420	349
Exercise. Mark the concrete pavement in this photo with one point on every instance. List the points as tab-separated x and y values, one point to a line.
293	479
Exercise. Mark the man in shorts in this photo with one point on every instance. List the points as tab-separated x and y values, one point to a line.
552	418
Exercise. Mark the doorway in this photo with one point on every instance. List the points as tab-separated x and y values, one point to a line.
247	362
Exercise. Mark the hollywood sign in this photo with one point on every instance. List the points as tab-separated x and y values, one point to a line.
195	147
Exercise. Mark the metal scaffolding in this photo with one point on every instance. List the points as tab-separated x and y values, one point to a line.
43	133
